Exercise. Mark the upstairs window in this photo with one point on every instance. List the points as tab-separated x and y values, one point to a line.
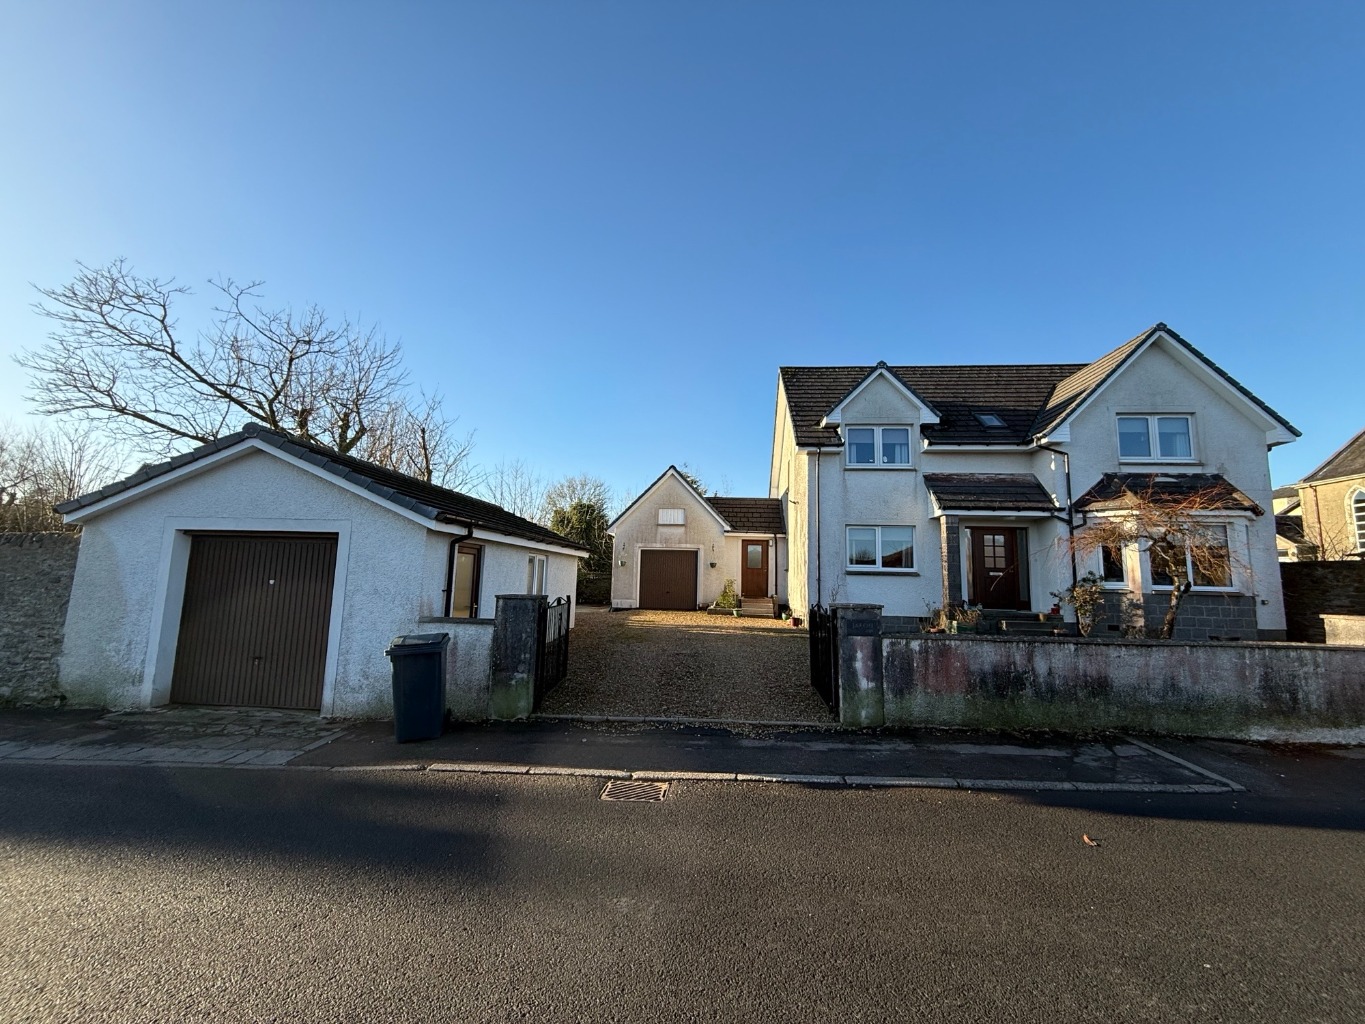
1155	439
672	517
877	446
1358	518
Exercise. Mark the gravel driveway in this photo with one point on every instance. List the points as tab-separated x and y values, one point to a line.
686	665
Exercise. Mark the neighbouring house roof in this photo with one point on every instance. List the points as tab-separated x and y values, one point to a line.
423	499
1289	528
1031	398
1348	460
751	515
1288	491
989	492
1117	491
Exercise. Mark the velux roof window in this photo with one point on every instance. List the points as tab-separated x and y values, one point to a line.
989	419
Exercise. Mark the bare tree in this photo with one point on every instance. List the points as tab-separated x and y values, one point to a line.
1184	545
517	488
40	467
116	355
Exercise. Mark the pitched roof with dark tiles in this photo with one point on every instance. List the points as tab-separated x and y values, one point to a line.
751	515
1348	460
1030	398
958	393
424	499
1116	491
989	492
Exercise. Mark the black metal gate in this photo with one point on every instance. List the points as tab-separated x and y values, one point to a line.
824	655
552	653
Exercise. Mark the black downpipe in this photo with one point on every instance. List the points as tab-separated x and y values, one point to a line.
1070	512
455	543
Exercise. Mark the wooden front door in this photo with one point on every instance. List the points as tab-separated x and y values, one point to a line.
754	574
255	619
995	568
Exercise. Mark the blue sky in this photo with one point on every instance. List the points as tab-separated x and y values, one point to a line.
600	227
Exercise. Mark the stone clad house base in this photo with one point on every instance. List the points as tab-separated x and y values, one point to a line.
1216	690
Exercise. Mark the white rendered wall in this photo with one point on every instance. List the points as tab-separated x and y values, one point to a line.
639	530
125	603
1227	441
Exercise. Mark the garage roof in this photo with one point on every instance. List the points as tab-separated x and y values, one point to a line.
438	504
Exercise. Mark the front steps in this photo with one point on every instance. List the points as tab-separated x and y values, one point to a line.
756	607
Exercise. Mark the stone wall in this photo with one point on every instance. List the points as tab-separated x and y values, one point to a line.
1314	589
1209	689
35	587
1345	630
1203	616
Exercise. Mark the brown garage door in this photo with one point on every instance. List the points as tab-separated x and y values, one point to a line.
253	629
668	579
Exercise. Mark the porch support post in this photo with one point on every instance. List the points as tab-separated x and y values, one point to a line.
516	643
950	548
861	695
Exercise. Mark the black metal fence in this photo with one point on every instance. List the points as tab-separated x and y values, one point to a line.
824	655
552	656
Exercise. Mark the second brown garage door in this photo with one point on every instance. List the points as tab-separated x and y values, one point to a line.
668	579
253	629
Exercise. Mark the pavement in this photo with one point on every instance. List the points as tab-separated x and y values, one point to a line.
255	738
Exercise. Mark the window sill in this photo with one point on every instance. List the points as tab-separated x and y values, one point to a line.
1158	589
1132	460
892	466
859	571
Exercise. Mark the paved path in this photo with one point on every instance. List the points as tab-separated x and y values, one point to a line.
687	665
139	894
164	736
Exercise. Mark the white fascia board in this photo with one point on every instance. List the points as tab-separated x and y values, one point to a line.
503	538
1060	434
1275	430
1001	513
833	418
970	449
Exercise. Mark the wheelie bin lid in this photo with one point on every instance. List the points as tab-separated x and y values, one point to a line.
417	643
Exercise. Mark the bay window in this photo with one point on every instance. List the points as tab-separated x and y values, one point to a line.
1204	560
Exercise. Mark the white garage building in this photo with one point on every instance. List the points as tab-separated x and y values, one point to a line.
263	570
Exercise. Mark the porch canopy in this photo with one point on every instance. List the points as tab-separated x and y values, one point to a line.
968	494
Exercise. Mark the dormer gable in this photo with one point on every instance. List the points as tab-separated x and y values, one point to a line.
881	383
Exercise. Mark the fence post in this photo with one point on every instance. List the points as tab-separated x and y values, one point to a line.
861	699
516	649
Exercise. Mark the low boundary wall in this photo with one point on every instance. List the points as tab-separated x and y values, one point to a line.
1229	690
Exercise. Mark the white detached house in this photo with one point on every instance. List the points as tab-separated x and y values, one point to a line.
919	487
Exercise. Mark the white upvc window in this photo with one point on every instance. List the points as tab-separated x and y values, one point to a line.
1357	518
873	447
1113	566
1156	437
535	574
672	517
881	548
1211	571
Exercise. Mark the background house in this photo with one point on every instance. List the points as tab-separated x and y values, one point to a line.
675	548
1331	504
265	570
916	487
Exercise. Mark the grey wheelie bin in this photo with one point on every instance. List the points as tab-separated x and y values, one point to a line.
419	685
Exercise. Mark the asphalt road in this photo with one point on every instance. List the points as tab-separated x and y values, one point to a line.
145	894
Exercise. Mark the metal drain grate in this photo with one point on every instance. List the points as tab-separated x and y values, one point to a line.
626	789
